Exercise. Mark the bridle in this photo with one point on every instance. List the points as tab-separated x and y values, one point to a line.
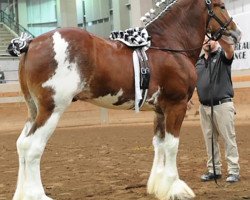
211	15
214	36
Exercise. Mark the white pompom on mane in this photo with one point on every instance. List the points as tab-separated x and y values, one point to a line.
160	7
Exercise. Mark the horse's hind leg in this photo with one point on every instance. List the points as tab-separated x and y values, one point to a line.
168	185
21	158
34	145
31	145
32	112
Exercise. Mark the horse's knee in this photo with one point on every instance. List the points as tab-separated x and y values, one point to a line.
21	146
29	149
20	143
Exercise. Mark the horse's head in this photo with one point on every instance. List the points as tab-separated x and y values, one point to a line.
220	24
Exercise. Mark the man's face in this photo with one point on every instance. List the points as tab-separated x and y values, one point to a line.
213	45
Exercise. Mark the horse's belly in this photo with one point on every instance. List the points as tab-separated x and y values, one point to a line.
125	106
117	102
112	102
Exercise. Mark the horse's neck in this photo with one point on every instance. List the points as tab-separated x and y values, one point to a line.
183	27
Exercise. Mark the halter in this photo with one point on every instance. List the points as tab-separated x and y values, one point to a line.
218	34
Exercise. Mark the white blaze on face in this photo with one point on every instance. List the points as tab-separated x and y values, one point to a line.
66	80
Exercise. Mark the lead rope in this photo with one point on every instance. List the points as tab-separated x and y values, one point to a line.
212	110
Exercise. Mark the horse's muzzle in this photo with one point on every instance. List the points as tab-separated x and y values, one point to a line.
235	35
232	36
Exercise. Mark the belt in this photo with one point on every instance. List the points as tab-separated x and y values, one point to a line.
216	103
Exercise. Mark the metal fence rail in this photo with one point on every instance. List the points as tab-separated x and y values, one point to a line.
12	24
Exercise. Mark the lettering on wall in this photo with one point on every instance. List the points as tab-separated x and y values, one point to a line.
241	50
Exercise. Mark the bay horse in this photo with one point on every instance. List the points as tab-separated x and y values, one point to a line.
71	64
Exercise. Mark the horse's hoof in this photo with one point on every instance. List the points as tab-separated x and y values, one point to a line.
181	191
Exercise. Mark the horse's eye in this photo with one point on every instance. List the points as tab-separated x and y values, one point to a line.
223	7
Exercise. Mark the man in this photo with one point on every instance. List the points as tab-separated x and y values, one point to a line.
224	111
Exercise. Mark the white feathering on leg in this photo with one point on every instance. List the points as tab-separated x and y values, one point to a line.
158	166
168	186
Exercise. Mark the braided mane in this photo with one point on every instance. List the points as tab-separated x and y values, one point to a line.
161	7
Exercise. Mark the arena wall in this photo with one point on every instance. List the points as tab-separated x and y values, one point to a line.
12	102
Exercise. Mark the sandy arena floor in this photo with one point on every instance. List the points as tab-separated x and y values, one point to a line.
112	162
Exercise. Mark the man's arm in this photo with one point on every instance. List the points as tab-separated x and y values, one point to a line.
228	48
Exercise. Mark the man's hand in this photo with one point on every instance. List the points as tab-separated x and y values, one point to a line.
228	48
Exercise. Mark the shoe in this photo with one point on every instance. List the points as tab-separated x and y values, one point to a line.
210	176
233	178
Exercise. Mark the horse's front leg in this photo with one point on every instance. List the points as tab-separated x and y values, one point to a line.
159	154
168	185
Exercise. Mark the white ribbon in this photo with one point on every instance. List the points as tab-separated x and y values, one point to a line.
138	95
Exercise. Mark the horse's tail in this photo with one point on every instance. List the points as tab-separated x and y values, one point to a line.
19	45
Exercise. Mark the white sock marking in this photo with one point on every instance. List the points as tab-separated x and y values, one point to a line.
165	183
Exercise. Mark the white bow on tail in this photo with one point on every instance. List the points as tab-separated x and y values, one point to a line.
20	44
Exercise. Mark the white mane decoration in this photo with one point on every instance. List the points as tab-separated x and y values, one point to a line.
132	37
160	7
